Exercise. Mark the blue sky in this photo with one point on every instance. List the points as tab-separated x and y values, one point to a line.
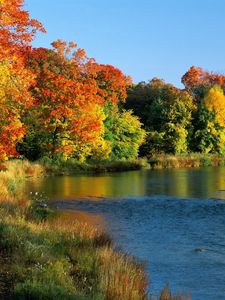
144	38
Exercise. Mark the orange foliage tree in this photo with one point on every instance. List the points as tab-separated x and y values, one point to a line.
17	29
16	32
112	83
67	105
198	82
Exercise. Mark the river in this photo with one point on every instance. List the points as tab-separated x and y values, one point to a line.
173	220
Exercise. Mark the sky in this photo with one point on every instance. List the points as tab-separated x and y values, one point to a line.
143	38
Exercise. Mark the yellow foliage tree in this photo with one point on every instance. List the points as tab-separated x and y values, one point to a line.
215	102
14	100
213	135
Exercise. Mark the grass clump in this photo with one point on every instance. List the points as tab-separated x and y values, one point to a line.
121	278
167	295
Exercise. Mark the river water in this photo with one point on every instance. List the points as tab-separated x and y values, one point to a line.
173	220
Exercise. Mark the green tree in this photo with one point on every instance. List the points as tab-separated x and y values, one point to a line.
166	113
124	133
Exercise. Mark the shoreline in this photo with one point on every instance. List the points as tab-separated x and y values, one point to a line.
47	255
50	256
192	160
158	161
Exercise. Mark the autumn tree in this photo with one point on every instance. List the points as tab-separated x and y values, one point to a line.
123	132
209	135
206	89
17	29
16	32
198	82
67	111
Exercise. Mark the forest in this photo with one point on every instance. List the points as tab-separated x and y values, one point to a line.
57	103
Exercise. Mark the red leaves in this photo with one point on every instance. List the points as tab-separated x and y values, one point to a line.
16	27
112	83
196	77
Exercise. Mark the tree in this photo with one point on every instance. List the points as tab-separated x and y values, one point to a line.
16	31
124	133
166	113
112	83
209	135
215	102
198	82
67	108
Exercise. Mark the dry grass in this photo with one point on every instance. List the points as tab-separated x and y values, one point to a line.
166	295
12	179
121	278
24	168
192	160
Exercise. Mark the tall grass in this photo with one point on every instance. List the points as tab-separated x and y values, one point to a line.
191	160
167	295
121	278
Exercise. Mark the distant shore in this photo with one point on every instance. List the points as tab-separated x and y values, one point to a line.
192	160
157	161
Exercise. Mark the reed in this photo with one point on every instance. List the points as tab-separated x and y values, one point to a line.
12	179
191	160
121	277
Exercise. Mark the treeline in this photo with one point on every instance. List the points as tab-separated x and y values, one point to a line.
59	103
181	121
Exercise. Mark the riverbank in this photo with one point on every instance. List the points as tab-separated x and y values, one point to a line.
191	160
46	257
158	161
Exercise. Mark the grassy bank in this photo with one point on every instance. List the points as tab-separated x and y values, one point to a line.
192	160
158	161
46	257
70	167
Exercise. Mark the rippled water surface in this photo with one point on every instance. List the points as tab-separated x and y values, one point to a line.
174	220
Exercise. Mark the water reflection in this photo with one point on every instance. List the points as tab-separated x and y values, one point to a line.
106	185
182	183
188	183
